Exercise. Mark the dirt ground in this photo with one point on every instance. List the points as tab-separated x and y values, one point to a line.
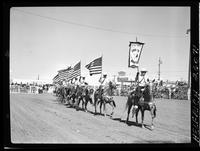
40	118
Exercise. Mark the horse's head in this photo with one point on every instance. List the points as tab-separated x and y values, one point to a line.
150	88
151	85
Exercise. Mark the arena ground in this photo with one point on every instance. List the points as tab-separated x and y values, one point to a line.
40	118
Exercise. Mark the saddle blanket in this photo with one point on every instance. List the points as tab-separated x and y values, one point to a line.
148	104
108	98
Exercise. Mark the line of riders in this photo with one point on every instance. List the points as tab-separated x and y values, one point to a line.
141	97
79	91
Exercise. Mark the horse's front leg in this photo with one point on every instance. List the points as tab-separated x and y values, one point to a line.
83	103
134	110
71	101
68	99
142	112
86	102
136	115
95	106
129	109
152	111
65	98
112	110
100	106
77	102
104	108
152	126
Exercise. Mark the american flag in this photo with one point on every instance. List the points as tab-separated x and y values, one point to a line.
56	79
95	67
75	71
64	74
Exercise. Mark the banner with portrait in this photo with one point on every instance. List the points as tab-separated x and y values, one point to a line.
135	50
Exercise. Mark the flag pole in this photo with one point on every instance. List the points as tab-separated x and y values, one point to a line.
80	73
80	68
101	66
138	75
159	69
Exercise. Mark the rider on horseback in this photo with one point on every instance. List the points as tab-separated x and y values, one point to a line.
139	87
141	80
101	88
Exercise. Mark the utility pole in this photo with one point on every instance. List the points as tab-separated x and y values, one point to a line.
159	62
114	77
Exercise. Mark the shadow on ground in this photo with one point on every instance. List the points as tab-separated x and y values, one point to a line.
132	123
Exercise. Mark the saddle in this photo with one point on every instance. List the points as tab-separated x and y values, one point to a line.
107	99
145	104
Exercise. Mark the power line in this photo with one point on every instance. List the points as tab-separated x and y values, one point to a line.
170	71
97	28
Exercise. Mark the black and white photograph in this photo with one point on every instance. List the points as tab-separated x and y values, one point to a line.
100	75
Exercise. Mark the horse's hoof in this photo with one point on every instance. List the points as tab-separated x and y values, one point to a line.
142	126
152	127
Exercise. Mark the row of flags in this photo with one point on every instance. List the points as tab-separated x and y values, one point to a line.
94	67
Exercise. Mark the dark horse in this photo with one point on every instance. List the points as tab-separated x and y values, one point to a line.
142	101
87	97
83	94
100	98
79	97
60	93
71	96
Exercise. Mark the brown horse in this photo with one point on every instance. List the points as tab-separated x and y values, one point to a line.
142	101
87	95
98	99
101	97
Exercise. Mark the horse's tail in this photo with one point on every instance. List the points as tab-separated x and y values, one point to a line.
154	111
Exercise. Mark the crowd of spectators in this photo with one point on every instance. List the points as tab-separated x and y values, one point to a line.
30	88
177	90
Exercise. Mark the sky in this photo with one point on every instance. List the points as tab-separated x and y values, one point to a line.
44	40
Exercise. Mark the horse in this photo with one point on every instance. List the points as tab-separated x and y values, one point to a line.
79	97
60	93
72	96
87	97
67	94
101	98
63	94
133	99
142	101
109	100
97	99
